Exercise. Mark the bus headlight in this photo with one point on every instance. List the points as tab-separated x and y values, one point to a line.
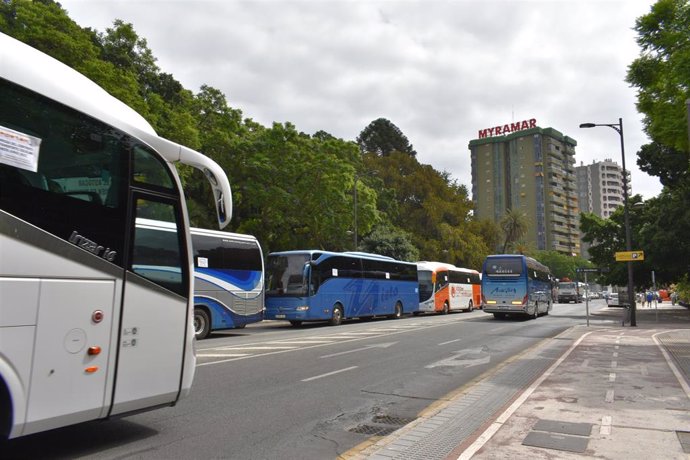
491	302
302	308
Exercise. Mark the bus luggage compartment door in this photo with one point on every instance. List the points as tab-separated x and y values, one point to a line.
71	353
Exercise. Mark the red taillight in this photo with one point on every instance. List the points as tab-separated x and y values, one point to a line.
525	299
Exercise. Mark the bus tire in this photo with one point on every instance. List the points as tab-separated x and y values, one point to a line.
398	311
446	308
5	411
499	315
337	316
535	313
295	323
202	323
470	306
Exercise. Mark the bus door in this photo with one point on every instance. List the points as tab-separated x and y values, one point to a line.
155	312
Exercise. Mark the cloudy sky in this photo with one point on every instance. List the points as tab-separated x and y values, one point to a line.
439	70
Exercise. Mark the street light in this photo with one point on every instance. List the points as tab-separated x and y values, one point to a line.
628	239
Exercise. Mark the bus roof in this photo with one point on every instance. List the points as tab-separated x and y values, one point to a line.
320	253
38	72
530	261
435	266
221	234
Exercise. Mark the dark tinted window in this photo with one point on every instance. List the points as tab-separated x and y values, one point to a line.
464	277
77	188
337	267
226	253
509	266
156	251
442	280
285	275
148	169
426	286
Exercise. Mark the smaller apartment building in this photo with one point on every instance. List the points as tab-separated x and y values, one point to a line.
600	187
530	170
600	190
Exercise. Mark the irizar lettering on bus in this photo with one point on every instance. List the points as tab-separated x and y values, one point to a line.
92	246
507	129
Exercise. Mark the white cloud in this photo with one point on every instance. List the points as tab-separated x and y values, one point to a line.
439	70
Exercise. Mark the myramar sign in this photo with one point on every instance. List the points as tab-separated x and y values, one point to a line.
507	129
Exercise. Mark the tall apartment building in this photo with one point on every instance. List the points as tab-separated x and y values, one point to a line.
527	168
600	190
600	187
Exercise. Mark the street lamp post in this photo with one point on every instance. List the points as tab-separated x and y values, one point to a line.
354	192
628	238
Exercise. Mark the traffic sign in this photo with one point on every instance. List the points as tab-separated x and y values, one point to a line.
591	270
630	256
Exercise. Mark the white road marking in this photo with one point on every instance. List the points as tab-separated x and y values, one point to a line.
450	341
378	345
606	422
329	374
609	396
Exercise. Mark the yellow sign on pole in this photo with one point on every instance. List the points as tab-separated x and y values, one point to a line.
630	256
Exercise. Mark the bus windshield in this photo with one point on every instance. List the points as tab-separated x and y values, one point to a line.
426	285
285	275
503	267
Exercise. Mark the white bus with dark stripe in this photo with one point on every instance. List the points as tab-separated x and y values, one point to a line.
84	332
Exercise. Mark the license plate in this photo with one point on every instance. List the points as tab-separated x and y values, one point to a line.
280	316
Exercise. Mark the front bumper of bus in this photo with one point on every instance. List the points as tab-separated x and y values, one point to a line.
298	313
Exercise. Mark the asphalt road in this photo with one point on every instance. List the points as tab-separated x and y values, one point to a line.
272	391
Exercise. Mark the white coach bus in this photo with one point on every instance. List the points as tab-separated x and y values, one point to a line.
84	333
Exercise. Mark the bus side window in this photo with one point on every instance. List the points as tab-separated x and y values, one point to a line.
156	254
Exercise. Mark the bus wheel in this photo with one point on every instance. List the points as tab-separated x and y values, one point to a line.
535	313
398	311
470	306
202	323
296	323
337	317
446	308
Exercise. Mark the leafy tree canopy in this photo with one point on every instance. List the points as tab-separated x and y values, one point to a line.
662	72
382	137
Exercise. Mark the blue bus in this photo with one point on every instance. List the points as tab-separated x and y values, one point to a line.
330	286
228	281
515	284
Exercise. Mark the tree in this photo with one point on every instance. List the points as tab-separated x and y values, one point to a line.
392	242
381	137
562	265
514	226
662	72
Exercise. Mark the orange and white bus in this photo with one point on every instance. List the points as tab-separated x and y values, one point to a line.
445	287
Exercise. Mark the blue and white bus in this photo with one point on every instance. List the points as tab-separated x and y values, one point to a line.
228	281
515	284
330	286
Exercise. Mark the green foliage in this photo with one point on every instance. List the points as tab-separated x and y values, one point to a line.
662	72
514	225
381	137
391	242
434	210
563	265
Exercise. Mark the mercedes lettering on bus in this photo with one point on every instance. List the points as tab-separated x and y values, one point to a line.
515	285
444	288
329	286
95	319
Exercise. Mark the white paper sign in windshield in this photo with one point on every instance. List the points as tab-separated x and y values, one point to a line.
19	149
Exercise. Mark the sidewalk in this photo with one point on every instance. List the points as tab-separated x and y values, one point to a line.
612	392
